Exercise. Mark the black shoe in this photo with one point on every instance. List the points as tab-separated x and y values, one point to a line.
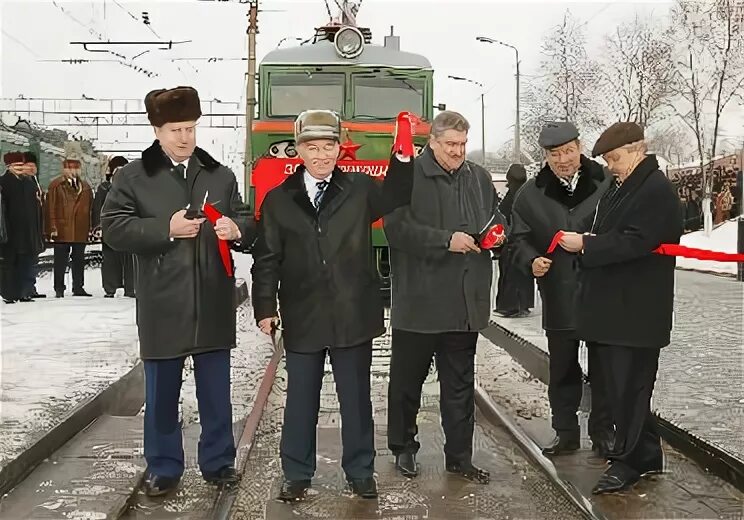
507	314
470	472
406	464
9	301
80	292
226	476
293	490
618	477
37	295
655	467
561	446
129	295
156	486
364	487
108	295
59	294
26	299
603	447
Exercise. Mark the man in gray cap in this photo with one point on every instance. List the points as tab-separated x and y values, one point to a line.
563	195
314	250
626	299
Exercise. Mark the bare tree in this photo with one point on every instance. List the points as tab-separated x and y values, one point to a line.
637	70
671	142
563	91
709	74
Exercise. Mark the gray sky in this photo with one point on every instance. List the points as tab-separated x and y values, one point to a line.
443	31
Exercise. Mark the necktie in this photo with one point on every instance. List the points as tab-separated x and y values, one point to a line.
322	185
181	169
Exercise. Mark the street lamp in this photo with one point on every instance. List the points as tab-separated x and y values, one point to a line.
483	114
517	151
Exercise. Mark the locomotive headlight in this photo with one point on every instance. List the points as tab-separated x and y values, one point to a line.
349	42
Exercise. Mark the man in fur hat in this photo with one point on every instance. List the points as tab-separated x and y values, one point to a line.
117	268
185	299
626	295
314	250
70	206
22	208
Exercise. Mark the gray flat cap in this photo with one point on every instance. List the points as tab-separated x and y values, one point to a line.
557	133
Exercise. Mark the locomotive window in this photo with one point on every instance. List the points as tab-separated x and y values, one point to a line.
384	97
291	93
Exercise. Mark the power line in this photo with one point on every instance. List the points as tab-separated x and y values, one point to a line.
19	42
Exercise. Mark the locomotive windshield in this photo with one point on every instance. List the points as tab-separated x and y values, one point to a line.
293	92
383	97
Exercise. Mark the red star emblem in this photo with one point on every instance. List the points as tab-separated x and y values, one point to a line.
348	150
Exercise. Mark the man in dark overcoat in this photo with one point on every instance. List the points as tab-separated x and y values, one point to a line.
626	295
516	289
563	195
117	268
22	206
314	250
185	299
441	294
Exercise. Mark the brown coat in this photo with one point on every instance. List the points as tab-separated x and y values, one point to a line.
69	211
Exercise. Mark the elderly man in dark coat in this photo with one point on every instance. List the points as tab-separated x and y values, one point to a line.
184	295
314	250
441	282
626	295
22	206
563	195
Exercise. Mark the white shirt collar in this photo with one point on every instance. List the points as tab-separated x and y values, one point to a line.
185	165
311	184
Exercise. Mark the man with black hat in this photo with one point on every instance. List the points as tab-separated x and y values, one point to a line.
314	250
32	168
22	206
563	195
117	268
185	298
70	207
626	295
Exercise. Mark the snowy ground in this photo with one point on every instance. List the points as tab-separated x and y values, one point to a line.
722	239
57	353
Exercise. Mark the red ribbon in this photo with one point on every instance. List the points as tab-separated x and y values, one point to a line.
404	125
674	250
492	237
213	215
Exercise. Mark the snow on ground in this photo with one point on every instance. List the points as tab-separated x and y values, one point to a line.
722	239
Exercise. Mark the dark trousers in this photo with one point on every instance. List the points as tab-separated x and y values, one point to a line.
117	270
412	353
516	290
163	439
565	389
61	261
34	273
299	434
18	276
630	374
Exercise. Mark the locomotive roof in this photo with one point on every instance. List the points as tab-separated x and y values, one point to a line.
324	53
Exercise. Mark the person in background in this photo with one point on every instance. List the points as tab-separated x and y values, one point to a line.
117	268
70	207
516	289
22	208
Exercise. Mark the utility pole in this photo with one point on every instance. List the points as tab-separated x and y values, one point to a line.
517	144
483	127
483	113
250	95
